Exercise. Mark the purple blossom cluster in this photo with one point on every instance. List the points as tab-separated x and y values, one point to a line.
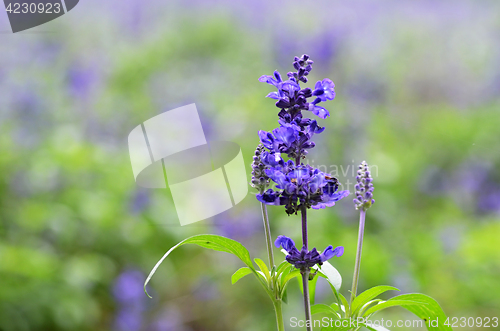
304	258
297	185
300	185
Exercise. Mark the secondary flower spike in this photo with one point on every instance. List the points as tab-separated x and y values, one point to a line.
364	188
260	181
304	259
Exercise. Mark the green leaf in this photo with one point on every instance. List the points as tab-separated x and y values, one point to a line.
369	294
290	276
345	304
217	243
331	274
284	295
263	268
335	306
375	327
240	273
282	267
391	303
344	321
430	311
312	288
367	305
321	308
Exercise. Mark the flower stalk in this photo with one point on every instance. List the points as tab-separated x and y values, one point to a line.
358	255
305	271
307	300
267	231
279	314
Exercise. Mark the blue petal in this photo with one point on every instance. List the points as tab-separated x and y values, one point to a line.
339	195
318	85
320	112
266	139
286	243
277	75
273	95
329	252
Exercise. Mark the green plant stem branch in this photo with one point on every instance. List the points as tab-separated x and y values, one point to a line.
279	315
307	300
358	254
267	230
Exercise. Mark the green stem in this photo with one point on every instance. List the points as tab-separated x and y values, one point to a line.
279	315
305	272
267	230
358	254
307	300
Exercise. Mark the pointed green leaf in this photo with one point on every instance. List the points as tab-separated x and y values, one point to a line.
217	243
375	327
369	294
345	304
391	303
240	273
431	310
263	268
282	267
321	308
367	305
312	288
290	276
345	321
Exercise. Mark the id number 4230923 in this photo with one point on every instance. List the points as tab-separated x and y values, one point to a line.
32	8
478	322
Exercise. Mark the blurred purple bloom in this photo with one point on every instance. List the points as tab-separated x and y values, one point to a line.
140	201
129	294
128	320
128	287
205	290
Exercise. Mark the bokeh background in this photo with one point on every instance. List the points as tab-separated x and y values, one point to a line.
418	96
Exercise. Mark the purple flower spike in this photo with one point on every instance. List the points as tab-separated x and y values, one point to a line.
298	185
364	188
